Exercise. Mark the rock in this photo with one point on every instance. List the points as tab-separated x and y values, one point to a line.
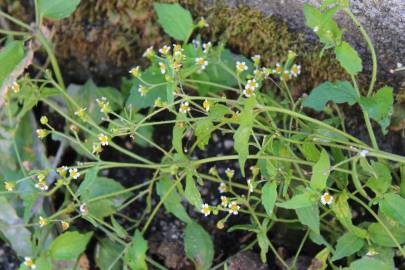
246	260
384	20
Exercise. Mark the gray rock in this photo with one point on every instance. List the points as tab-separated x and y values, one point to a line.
384	20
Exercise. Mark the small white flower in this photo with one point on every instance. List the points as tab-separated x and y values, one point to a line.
363	153
41	185
326	199
205	209
201	62
103	139
29	262
162	67
316	28
149	52
250	185
74	173
206	47
222	188
42	222
206	105
233	208
83	209
9	186
224	201
256	59
229	172
184	107
135	71
165	50
372	252
241	66
142	90
295	70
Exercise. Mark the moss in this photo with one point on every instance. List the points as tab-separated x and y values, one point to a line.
102	39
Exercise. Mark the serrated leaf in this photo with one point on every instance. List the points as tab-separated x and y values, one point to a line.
242	134
338	92
349	58
203	129
198	246
269	197
309	216
57	9
320	172
379	106
172	200
136	256
191	192
393	206
69	245
347	245
298	201
175	20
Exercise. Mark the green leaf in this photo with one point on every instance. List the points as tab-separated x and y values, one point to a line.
101	186
298	201
349	58
178	132
269	196
57	9
175	20
320	172
172	200
10	56
88	181
191	192
152	76
367	263
347	245
309	216
393	206
18	237
106	252
86	95
203	129
242	134
343	213
380	236
136	256
69	245
313	16
310	151
263	244
338	92
382	180
198	246
379	106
